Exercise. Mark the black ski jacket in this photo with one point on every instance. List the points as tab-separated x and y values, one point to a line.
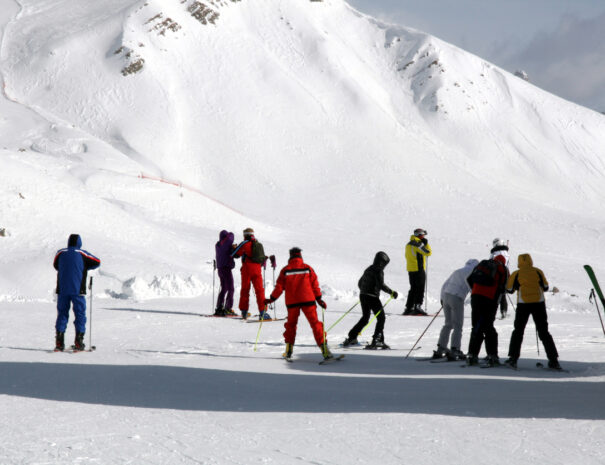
372	280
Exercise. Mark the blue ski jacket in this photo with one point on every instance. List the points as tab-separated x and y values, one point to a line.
72	265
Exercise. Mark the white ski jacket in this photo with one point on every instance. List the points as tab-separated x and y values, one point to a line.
456	284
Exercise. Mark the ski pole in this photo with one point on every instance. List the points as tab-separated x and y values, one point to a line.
346	313
424	332
426	287
90	326
590	299
375	315
273	265
323	325
213	273
260	325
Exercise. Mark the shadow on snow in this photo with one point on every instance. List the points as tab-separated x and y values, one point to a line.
408	388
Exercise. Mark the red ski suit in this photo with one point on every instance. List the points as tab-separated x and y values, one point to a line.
302	290
251	274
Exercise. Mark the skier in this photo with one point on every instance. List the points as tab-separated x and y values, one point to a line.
487	282
72	265
500	247
416	253
453	292
302	291
370	284
225	263
530	284
253	256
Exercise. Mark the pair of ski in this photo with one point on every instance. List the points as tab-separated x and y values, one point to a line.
325	361
72	349
506	365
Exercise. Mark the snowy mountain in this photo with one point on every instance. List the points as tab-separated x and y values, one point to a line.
316	125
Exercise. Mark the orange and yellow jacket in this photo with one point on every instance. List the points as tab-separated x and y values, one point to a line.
415	254
528	280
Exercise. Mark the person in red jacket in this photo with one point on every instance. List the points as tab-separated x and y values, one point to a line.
487	282
253	255
302	291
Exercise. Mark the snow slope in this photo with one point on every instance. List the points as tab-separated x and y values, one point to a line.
312	123
149	126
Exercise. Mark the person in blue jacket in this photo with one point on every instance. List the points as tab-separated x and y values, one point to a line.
72	265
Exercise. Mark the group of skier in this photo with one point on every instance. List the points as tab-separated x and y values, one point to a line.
488	281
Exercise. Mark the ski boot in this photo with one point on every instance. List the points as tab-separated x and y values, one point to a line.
554	364
264	315
472	360
377	343
59	342
79	342
511	362
288	353
229	312
417	310
492	360
350	342
441	352
245	314
407	311
325	351
455	354
219	312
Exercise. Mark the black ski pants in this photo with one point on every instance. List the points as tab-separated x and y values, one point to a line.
538	312
483	315
369	304
416	293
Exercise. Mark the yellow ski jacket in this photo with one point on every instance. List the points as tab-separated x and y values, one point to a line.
416	253
528	280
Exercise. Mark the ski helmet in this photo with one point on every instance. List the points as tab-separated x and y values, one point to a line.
420	232
498	242
295	252
248	232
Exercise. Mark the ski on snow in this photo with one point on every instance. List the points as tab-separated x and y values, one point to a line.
595	283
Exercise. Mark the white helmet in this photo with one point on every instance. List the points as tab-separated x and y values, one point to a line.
498	242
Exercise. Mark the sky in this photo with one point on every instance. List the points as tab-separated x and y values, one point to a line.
560	44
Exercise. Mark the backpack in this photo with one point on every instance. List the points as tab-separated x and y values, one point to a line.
258	253
484	273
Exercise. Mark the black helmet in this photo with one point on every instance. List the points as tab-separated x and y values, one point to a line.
420	232
381	259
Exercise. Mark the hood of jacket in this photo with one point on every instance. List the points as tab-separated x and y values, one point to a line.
222	234
74	241
470	264
525	261
381	260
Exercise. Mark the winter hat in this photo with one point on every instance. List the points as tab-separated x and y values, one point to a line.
248	232
295	252
420	232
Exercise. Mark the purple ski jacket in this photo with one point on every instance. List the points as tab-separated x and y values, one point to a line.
223	250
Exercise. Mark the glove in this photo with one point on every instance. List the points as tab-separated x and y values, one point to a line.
269	301
424	240
394	294
273	262
321	303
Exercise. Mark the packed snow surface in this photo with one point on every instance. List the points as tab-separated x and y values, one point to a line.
147	126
